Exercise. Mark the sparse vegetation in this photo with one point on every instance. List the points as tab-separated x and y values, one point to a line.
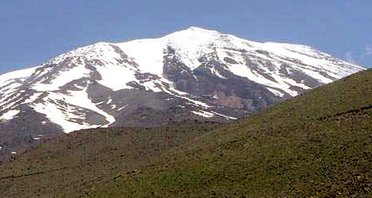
75	163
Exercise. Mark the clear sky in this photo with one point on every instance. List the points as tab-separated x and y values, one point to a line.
33	31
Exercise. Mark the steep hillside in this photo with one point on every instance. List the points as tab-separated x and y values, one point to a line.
190	74
317	144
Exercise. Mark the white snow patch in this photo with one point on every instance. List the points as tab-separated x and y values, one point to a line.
9	114
244	71
20	74
70	75
225	116
32	98
216	73
148	53
179	94
81	99
60	116
123	107
116	77
275	92
203	114
109	100
65	115
195	102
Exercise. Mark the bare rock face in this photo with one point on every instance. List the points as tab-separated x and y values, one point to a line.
190	74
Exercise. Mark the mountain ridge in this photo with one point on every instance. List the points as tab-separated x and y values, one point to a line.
190	74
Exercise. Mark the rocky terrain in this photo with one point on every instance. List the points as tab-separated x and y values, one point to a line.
190	74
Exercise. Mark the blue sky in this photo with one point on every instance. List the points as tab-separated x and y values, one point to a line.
33	31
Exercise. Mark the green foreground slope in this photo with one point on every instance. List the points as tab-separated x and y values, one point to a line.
72	165
318	144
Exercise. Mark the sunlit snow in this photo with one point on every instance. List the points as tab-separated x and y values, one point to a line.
114	65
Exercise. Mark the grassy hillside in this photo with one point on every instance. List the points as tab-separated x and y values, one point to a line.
318	144
73	164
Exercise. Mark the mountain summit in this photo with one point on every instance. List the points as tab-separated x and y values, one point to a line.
190	74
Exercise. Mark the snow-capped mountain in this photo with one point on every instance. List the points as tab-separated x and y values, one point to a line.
190	74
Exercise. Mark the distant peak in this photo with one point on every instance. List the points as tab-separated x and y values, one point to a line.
199	29
194	32
194	28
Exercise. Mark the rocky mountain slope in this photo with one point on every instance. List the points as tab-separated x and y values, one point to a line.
318	144
190	74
